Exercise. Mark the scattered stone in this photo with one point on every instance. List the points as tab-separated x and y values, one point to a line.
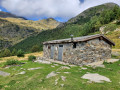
63	78
56	64
52	66
58	72
112	60
72	65
34	68
62	85
56	81
52	74
63	67
66	72
23	72
96	78
96	64
43	61
4	74
83	68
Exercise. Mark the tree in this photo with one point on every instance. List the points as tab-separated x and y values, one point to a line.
6	53
14	52
20	53
35	48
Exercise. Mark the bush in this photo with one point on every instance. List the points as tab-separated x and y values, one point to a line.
31	58
12	62
20	53
35	48
14	52
6	53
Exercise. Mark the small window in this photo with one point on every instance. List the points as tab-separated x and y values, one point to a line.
74	45
49	47
60	45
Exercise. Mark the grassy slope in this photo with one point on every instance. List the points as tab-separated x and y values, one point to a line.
44	24
36	79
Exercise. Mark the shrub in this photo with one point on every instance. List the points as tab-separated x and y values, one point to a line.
31	58
20	53
12	62
14	52
35	48
6	53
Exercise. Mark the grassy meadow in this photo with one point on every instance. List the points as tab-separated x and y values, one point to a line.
36	79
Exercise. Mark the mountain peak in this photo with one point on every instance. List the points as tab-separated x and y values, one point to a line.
6	15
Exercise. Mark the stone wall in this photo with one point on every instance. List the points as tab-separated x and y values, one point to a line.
84	53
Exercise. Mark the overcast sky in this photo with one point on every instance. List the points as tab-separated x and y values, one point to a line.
58	9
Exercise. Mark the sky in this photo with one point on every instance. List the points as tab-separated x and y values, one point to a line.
61	10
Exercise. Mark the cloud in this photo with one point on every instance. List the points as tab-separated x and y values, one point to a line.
0	9
50	8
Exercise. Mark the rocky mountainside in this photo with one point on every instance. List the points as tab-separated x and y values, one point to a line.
14	29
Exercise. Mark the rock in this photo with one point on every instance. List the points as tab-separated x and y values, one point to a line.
56	81
116	53
95	78
23	72
72	65
4	74
52	66
43	61
34	68
58	72
52	74
62	85
83	68
112	60
63	78
63	67
56	65
66	72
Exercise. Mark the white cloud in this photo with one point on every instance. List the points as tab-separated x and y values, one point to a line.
0	9
50	8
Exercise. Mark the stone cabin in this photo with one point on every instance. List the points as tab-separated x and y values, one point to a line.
79	50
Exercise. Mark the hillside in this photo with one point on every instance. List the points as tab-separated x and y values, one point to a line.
86	15
14	29
91	27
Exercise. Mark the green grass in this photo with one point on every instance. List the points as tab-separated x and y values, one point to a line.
36	79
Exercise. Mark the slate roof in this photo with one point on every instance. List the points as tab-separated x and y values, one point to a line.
80	39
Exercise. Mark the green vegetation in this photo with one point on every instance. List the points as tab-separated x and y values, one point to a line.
36	79
6	53
35	48
31	58
12	62
20	53
92	26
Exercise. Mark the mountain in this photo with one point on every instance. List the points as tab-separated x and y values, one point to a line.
77	27
6	15
86	15
14	29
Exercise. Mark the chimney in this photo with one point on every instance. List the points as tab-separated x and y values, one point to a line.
71	37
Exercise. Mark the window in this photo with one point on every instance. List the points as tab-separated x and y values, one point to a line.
49	47
60	45
74	45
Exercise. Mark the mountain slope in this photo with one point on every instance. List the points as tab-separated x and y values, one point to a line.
86	15
14	29
6	15
91	27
